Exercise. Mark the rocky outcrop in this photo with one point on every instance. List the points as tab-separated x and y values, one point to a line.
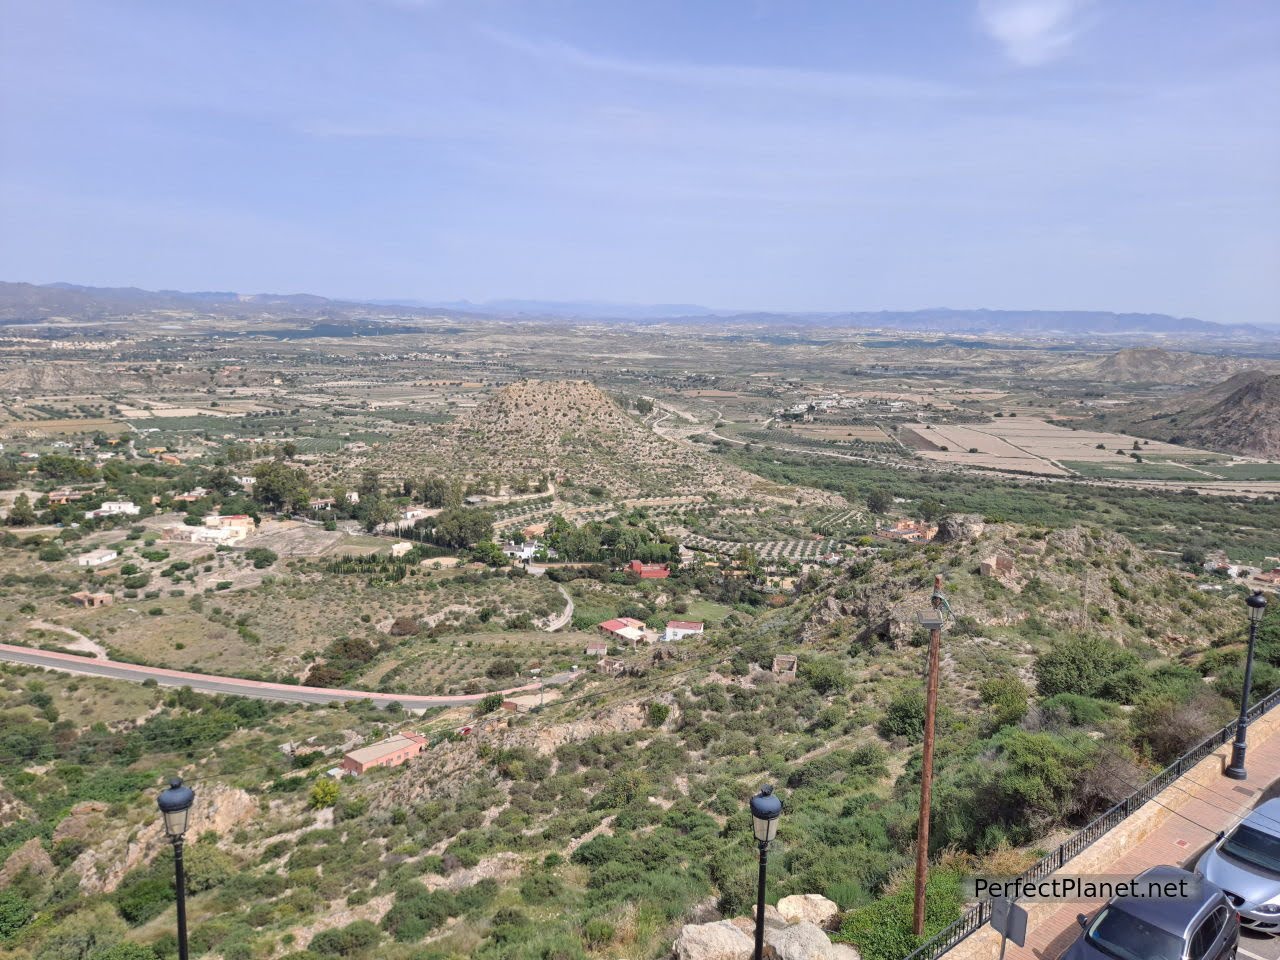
804	941
31	858
809	908
960	528
721	940
785	938
103	865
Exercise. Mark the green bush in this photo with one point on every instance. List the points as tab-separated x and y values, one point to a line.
904	717
1007	698
882	930
346	941
658	713
15	913
1080	664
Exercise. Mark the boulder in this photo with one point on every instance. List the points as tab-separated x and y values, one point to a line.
960	528
804	941
810	908
772	920
713	941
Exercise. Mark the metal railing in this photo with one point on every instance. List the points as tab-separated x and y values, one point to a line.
975	917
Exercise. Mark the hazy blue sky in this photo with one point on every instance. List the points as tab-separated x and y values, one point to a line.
786	154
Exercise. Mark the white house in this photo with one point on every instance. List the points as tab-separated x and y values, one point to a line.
401	548
96	558
114	508
526	551
679	629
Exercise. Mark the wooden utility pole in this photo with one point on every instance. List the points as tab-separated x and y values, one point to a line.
933	621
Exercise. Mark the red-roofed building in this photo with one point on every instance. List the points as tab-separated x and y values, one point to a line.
391	752
623	629
649	571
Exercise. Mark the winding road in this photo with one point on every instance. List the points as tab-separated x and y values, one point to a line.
236	686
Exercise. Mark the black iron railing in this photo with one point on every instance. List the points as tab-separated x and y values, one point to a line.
975	917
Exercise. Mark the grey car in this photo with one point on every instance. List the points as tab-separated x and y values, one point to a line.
1199	927
1245	863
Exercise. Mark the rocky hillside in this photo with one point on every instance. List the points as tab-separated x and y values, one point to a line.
1239	415
575	429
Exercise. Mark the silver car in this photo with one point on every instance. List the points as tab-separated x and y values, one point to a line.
1245	863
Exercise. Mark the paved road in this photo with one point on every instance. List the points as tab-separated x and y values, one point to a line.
206	683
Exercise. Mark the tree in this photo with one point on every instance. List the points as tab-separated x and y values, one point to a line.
324	793
261	557
879	501
279	486
21	514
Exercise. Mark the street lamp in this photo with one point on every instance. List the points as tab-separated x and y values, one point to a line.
175	807
1257	604
765	811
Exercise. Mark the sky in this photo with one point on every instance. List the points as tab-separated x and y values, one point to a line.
741	154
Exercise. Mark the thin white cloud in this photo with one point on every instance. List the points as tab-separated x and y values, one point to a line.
1032	32
792	80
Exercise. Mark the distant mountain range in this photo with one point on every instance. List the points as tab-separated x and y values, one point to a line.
25	303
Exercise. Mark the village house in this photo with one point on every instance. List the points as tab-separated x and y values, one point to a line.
418	513
648	571
114	508
96	558
679	629
526	551
322	503
84	598
192	495
391	752
597	648
626	630
58	498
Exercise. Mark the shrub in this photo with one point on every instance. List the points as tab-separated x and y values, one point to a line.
1080	664
657	714
261	557
904	717
15	913
882	930
324	793
345	941
1007	698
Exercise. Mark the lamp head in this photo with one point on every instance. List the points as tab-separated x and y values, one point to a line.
1257	602
765	811
175	806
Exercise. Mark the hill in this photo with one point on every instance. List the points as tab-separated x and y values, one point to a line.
575	429
1239	415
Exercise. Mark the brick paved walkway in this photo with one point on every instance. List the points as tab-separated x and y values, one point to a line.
1154	835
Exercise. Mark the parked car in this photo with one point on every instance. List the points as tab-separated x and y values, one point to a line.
1245	863
1203	926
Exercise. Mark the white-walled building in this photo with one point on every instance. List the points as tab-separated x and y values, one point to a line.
96	558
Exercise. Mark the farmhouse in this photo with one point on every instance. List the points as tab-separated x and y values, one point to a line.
96	558
649	571
908	531
114	508
679	629
192	495
597	648
1271	577
59	497
391	752
84	598
625	630
321	503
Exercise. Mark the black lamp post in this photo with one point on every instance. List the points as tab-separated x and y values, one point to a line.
765	811
175	806
1257	607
